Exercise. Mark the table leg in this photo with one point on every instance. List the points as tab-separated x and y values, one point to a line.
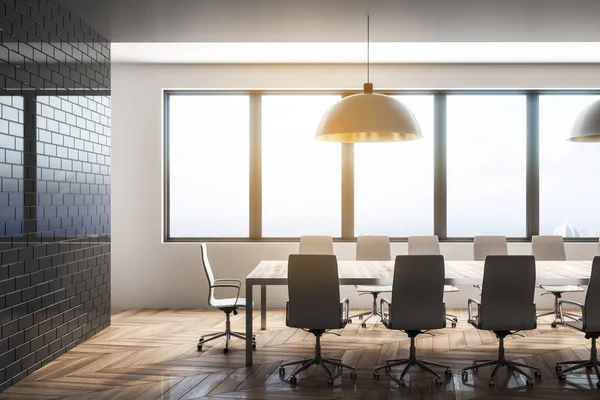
263	307
249	308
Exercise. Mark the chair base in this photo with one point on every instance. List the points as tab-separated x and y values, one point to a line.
411	361
228	334
316	360
591	364
556	311
502	362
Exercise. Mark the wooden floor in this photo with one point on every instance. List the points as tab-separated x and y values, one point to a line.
151	354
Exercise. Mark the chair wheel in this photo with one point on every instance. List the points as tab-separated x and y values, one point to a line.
375	375
353	374
253	346
455	319
439	381
558	369
562	378
225	350
349	321
281	371
401	382
598	384
529	382
199	347
553	325
360	317
454	324
538	373
492	383
293	380
388	368
465	375
448	372
363	325
330	382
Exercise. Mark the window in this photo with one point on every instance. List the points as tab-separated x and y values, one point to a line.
301	176
208	165
486	165
393	182
569	171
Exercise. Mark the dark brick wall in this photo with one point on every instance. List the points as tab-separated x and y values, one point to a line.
54	184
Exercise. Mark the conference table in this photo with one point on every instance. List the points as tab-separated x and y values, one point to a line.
458	273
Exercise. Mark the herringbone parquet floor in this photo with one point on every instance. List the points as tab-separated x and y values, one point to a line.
151	354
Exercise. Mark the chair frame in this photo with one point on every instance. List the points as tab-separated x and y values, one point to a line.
501	361
592	363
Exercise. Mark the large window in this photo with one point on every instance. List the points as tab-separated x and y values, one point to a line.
393	184
247	166
300	175
208	165
486	160
569	171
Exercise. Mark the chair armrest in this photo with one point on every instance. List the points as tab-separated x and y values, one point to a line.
575	303
345	305
382	304
237	296
470	308
239	282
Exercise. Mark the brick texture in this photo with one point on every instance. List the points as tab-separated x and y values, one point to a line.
54	184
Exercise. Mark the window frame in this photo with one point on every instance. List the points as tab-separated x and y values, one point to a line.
532	206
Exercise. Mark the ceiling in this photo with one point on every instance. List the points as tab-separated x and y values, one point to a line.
159	21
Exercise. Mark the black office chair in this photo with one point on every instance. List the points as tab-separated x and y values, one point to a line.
417	306
314	305
227	305
589	324
506	307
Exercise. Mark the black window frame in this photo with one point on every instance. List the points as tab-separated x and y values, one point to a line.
347	161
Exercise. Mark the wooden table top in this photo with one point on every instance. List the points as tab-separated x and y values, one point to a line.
457	272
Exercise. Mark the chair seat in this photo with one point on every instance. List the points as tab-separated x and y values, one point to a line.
562	289
575	324
373	288
227	303
450	288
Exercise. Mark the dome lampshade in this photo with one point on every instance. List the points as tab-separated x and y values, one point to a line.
587	125
368	117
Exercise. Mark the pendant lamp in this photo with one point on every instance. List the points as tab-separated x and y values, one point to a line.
587	125
368	117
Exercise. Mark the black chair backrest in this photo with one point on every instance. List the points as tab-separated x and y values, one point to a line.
591	313
313	292
418	293
507	293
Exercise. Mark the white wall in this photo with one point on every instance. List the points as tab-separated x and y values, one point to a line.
149	273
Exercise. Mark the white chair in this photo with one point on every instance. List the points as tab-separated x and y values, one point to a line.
316	245
372	248
314	305
430	245
552	248
484	246
227	305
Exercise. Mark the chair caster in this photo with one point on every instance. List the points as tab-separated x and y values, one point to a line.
401	382
598	384
492	383
455	319
360	317
363	325
330	382
293	380
388	368
253	346
225	350
439	381
562	378
349	321
281	371
448	372
529	382
199	347
465	376
352	374
538	373
376	375
558	369
454	324
553	325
